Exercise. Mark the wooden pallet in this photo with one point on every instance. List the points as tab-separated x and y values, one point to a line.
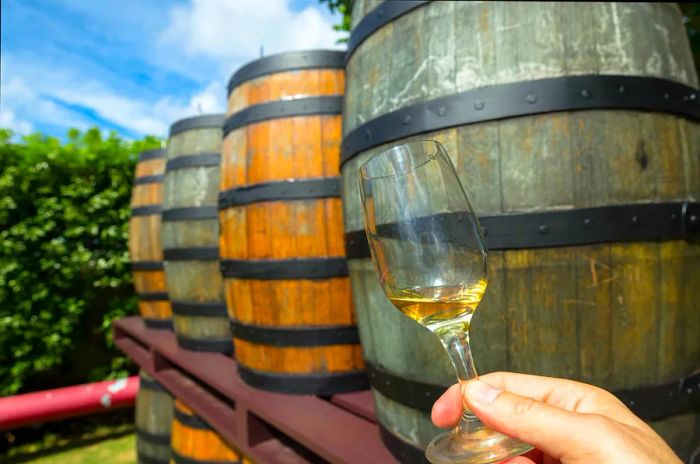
267	427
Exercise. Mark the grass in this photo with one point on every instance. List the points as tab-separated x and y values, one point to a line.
119	450
98	439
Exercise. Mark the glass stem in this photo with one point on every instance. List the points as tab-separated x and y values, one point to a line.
455	339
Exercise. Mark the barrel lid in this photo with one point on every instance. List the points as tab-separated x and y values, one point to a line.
304	59
197	122
153	154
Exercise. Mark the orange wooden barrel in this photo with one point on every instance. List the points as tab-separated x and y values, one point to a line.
194	441
144	240
282	250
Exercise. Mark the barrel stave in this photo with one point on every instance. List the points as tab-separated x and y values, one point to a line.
190	233
144	238
199	444
150	167
195	141
191	187
194	280
285	86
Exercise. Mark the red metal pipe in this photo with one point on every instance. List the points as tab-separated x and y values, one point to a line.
62	403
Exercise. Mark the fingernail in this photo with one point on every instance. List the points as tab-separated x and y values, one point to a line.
481	392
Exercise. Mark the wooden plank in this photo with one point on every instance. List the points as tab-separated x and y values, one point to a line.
440	50
671	362
309	421
578	36
475	44
359	403
536	163
690	141
635	320
375	87
539	286
529	42
664	151
478	164
595	281
690	316
409	60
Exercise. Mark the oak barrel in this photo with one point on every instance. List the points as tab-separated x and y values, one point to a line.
282	252
194	441
144	240
154	416
191	234
574	129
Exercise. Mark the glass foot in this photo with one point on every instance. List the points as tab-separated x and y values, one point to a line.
480	446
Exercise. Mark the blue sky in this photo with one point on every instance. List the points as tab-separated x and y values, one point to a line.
135	66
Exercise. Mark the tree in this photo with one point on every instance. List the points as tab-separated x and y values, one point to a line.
64	265
344	8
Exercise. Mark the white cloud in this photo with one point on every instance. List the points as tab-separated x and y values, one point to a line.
205	40
233	31
38	103
20	104
8	120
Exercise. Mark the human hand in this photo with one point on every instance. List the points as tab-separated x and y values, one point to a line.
570	422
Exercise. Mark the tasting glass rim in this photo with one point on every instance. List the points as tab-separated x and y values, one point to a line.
439	149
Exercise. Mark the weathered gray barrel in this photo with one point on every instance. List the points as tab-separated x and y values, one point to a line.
154	417
190	233
573	128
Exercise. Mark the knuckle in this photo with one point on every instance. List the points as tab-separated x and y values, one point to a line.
523	406
599	423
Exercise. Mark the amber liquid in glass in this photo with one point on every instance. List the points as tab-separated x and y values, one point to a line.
439	305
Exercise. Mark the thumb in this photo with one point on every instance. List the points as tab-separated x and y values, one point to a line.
554	431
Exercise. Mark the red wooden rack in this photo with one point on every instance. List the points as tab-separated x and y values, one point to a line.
267	427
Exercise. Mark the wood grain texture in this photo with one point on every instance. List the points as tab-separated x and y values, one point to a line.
615	315
286	85
150	167
498	43
191	187
300	147
199	444
194	141
152	282
147	194
194	280
153	414
145	239
190	233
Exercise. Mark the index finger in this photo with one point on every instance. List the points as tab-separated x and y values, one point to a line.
566	394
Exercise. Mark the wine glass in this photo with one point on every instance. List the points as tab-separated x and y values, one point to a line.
430	256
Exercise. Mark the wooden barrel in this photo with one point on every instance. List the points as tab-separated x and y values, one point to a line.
194	441
282	251
154	417
144	240
574	129
191	234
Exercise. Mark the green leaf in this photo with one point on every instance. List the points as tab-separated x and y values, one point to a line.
64	273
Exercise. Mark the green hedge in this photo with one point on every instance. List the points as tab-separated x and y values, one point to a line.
64	265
